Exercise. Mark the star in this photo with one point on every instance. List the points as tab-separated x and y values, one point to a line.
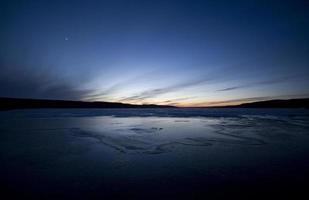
66	38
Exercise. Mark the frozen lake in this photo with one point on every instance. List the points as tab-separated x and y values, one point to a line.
154	153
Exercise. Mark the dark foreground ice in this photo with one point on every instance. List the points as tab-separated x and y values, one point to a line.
154	153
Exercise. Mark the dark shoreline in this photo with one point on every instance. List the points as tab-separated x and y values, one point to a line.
19	103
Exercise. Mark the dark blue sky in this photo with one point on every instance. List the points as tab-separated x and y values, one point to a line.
166	52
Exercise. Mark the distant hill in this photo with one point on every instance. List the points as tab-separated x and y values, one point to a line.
289	103
17	103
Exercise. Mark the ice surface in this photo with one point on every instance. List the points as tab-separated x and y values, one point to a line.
136	152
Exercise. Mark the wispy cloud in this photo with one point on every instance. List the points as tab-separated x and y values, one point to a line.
103	94
250	99
229	88
175	101
118	87
22	83
264	82
159	91
241	100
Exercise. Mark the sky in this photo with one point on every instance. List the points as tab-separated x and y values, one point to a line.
183	53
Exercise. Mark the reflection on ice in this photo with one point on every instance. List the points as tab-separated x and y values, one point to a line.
134	137
184	151
156	135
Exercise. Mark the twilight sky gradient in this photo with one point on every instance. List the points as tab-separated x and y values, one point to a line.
185	53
